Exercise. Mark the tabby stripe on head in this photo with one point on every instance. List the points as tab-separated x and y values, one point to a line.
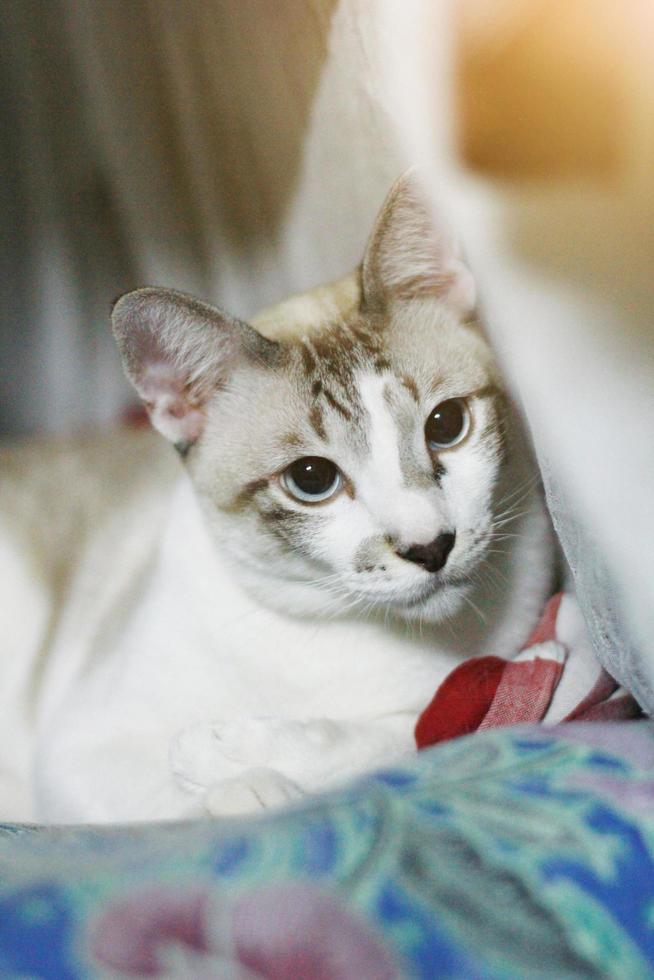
367	340
337	405
316	422
411	387
292	441
308	360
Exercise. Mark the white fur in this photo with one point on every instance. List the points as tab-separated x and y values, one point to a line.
128	725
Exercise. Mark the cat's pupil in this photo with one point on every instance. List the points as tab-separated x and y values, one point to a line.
313	474
446	423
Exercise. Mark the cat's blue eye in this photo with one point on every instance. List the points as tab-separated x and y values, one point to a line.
312	479
448	424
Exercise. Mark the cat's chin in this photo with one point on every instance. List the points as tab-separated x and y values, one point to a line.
299	598
443	602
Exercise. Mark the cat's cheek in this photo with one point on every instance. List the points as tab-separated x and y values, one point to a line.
468	493
340	537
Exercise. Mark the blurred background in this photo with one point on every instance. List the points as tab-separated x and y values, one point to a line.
201	144
239	149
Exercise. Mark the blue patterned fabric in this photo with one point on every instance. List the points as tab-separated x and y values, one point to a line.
512	853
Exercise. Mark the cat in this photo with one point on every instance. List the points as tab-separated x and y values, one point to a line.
354	510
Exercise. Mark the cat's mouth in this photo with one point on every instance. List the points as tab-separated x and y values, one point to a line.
437	586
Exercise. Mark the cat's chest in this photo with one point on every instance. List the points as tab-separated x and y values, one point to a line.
235	657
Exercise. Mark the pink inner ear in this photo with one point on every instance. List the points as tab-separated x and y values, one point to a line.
170	406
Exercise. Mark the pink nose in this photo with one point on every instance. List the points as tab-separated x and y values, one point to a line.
431	556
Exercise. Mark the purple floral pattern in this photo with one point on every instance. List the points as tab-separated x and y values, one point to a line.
292	930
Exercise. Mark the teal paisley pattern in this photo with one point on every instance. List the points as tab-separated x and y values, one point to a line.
505	854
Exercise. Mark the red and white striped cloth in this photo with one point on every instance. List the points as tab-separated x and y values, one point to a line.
555	678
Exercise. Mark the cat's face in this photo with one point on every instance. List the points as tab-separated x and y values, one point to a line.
358	458
364	459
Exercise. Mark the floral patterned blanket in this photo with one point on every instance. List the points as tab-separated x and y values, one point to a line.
508	853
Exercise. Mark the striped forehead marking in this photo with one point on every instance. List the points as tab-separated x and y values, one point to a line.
329	361
418	470
382	430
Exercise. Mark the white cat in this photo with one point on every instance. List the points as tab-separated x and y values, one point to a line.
356	513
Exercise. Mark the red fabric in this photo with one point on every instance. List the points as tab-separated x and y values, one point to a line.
546	629
622	708
524	693
461	702
604	687
489	692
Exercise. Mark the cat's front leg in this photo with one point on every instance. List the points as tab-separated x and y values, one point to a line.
226	764
226	760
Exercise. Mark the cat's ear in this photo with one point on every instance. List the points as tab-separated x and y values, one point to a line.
177	352
407	257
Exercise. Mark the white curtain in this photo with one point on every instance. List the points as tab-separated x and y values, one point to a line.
233	148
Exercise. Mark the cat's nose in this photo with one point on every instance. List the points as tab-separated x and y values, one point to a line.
431	556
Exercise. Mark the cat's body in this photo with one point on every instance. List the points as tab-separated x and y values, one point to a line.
242	631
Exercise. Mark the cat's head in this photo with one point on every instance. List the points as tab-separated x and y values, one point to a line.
354	453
